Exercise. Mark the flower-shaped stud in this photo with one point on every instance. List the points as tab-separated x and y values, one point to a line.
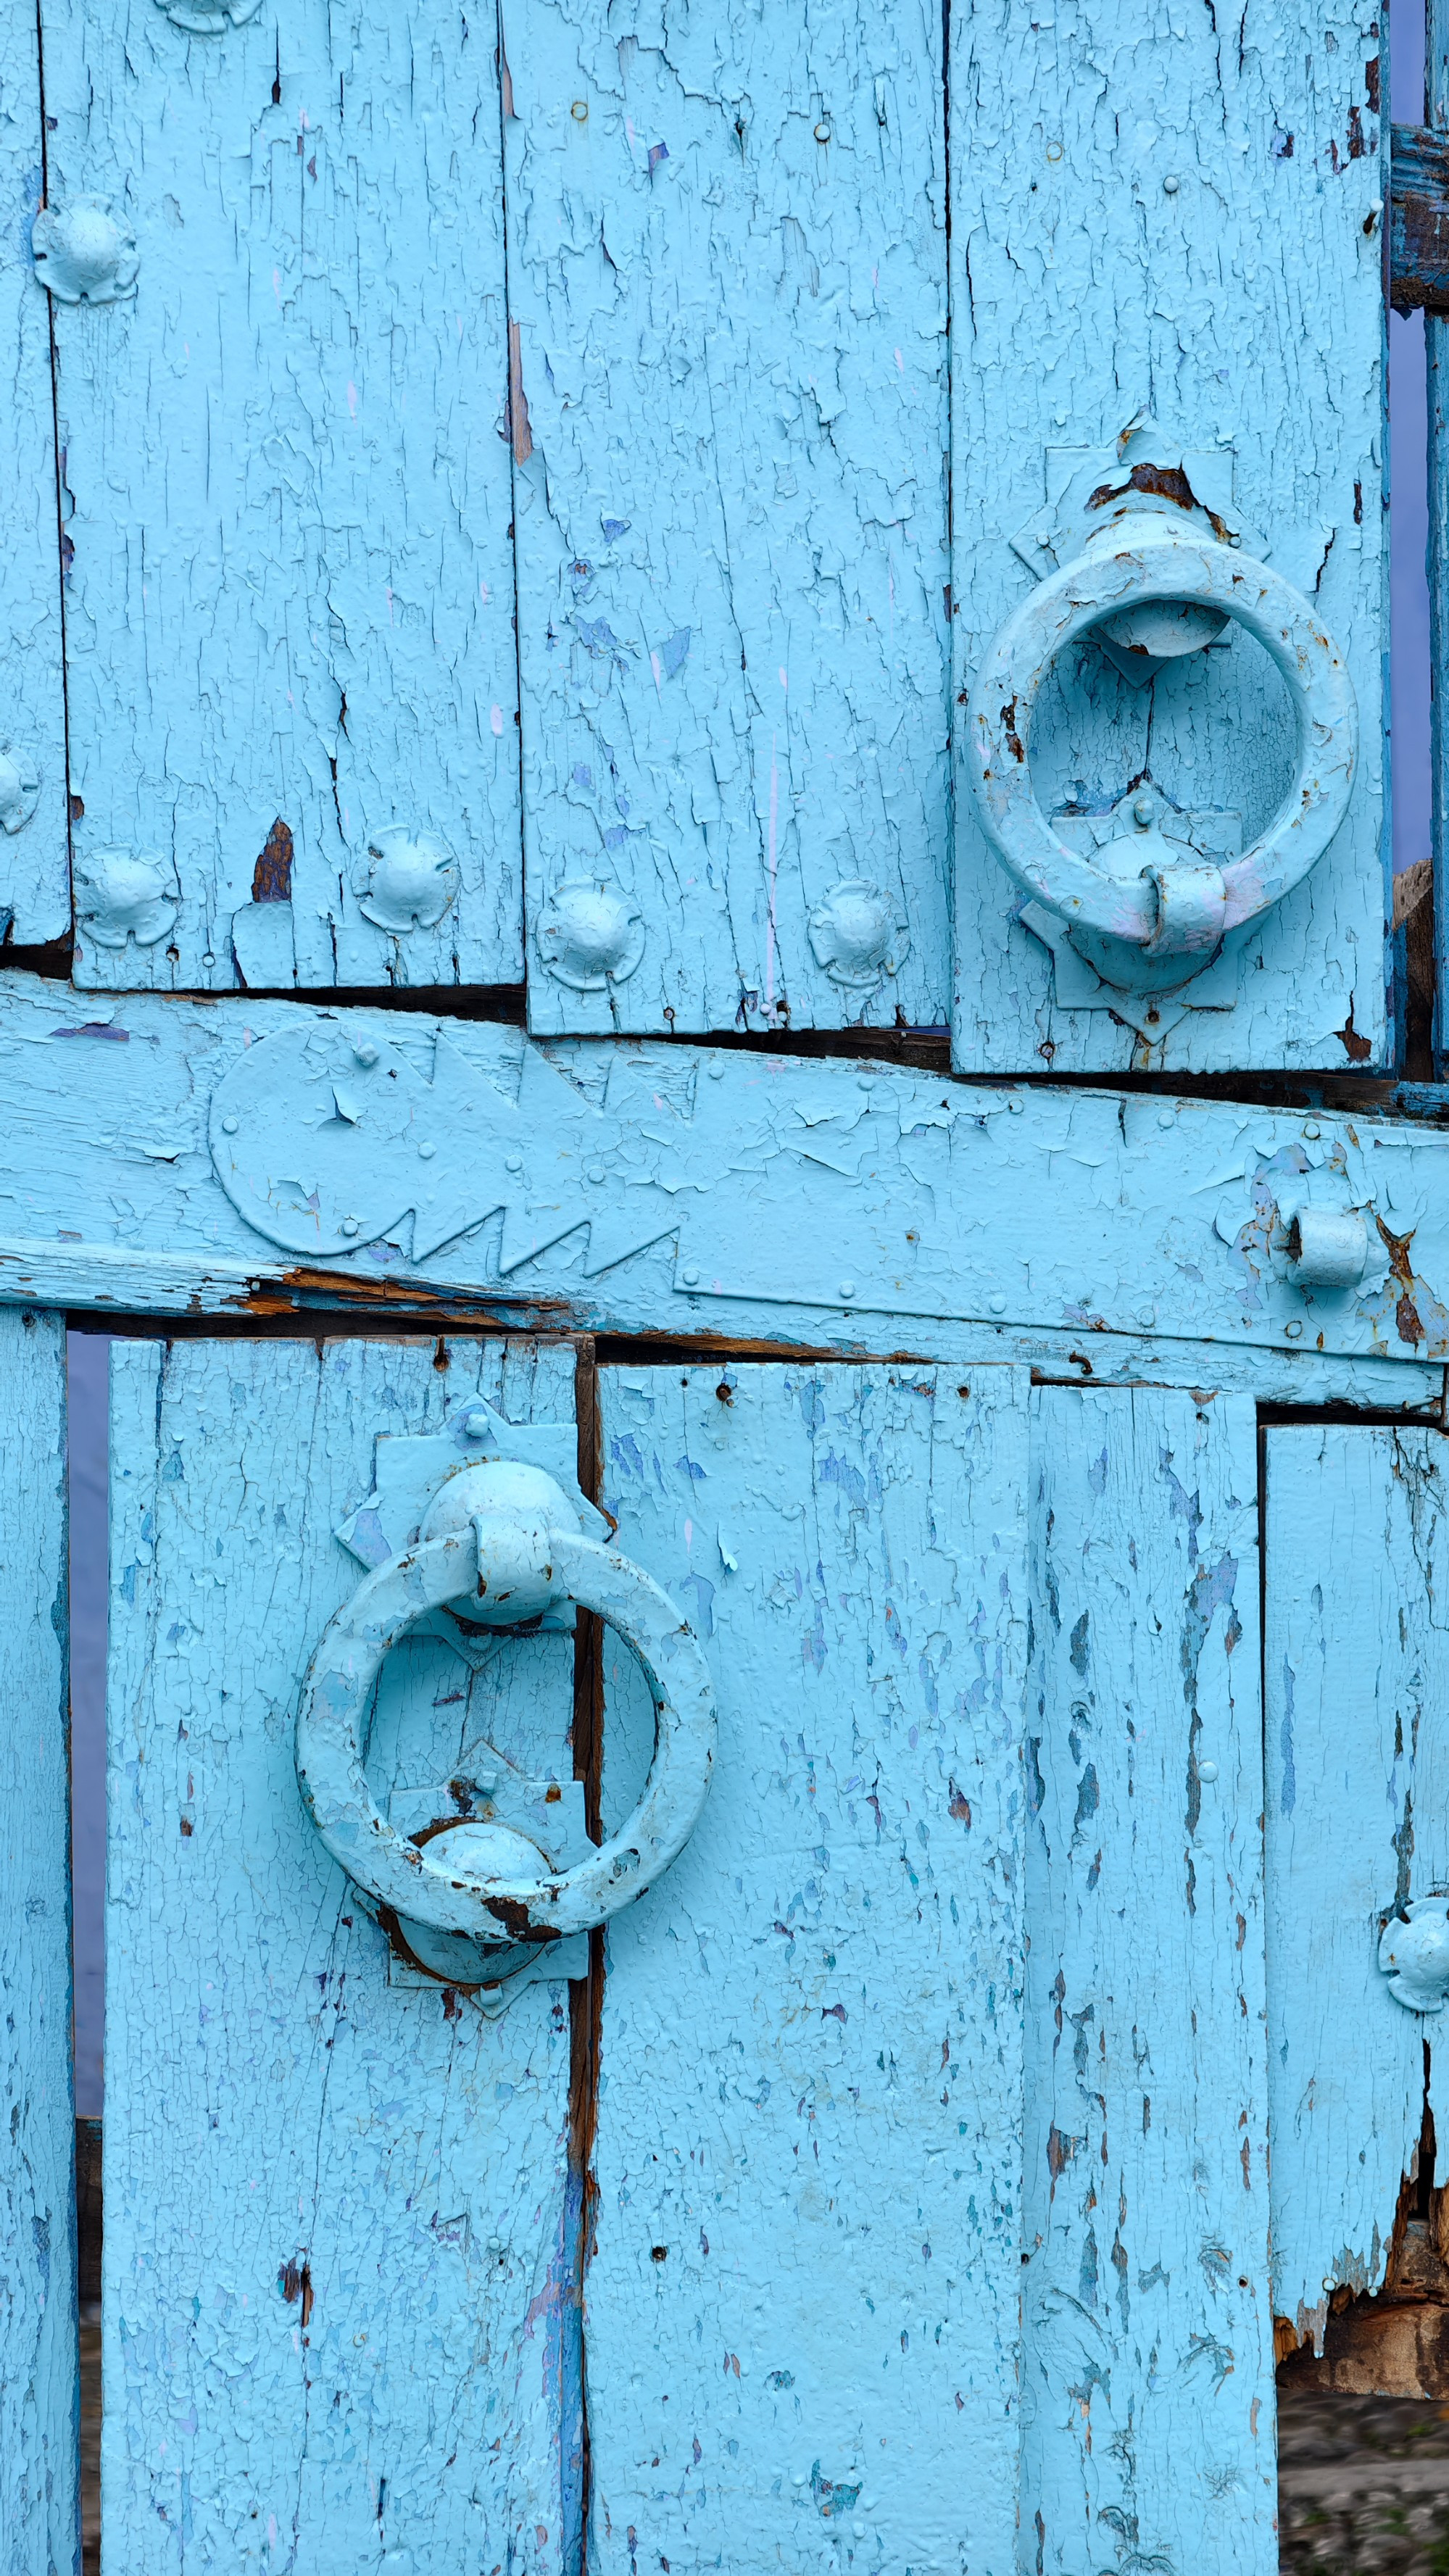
859	935
19	786
84	252
408	881
208	17
124	894
590	935
1414	1954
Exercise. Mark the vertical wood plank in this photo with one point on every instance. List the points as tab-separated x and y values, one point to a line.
1148	2420
1357	1671
803	2299
34	870
339	2266
1436	352
727	273
39	2389
1176	214
291	592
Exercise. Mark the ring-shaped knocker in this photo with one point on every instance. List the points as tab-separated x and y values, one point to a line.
1177	907
509	1567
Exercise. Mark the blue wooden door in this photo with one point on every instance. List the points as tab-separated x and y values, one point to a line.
737	1851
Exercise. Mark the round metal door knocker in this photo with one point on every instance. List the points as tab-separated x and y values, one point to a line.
503	1543
1139	893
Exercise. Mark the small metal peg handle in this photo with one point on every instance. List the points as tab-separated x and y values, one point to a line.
1327	1247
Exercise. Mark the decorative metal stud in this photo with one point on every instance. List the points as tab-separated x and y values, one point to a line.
409	879
208	17
858	935
124	894
19	787
1414	1954
84	252
590	935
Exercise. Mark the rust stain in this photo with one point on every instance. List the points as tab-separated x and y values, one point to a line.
272	875
1014	743
295	2282
1406	1313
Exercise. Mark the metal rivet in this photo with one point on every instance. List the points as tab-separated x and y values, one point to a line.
1166	1118
475	1424
364	1052
595	1173
822	133
229	1126
427	1152
513	1162
690	1278
1170	185
580	111
1207	1771
998	1304
847	1288
715	1072
207	958
1143	812
350	1225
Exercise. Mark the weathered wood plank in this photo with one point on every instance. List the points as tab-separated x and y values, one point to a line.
1148	2429
727	274
1093	1232
34	867
802	2301
1167	213
39	2389
1419	236
1436	352
1357	1668
290	625
339	2261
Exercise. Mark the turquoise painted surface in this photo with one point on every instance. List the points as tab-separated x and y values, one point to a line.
802	2298
340	2250
34	870
727	273
287	491
1148	2370
1357	1669
39	2389
1173	214
1104	1234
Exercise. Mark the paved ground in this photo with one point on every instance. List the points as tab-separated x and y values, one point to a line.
1364	2486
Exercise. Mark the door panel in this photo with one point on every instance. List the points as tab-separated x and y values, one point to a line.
1357	1684
803	2292
38	2384
727	271
1148	2429
287	493
34	877
1179	216
339	2306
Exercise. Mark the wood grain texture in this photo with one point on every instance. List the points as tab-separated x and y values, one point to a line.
727	268
1419	241
1357	1667
339	2258
1242	306
288	485
1103	1234
802	2301
34	866
1148	2420
39	2387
